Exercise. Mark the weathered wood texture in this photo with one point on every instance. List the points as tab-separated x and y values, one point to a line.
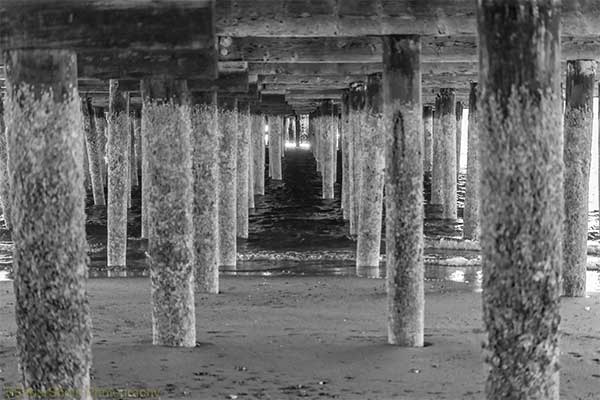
118	171
166	112
471	225
136	64
403	126
43	125
379	17
521	195
357	100
578	121
89	24
372	153
447	154
352	49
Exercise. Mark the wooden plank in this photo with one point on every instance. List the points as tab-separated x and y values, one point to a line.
375	17
260	68
236	82
107	24
456	49
439	80
136	64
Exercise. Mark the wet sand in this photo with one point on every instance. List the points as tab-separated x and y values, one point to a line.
305	337
294	322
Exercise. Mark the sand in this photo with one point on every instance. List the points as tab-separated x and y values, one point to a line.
305	337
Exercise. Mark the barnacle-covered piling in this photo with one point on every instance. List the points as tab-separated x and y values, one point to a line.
581	75
521	195
243	164
91	145
471	211
205	142
167	121
118	175
43	117
258	154
372	154
403	126
228	137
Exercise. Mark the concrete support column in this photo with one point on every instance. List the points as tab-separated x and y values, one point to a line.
228	126
46	180
471	211
448	152
91	146
167	119
318	150
357	108
258	154
4	173
118	174
243	165
275	138
404	189
345	156
129	161
427	140
372	153
521	195
205	169
581	76
459	116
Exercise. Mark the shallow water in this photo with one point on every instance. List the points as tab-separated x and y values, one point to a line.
294	232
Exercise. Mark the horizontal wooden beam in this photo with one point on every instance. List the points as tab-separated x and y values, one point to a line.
439	80
137	64
236	82
375	17
260	68
107	24
460	49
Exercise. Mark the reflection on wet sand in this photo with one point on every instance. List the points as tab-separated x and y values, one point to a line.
294	232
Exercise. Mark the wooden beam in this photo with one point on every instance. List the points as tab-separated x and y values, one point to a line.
107	24
377	17
136	64
458	49
235	82
439	80
260	68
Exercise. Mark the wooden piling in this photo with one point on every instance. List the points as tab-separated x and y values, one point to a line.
43	117
372	155
521	195
167	120
228	126
118	170
471	225
581	75
403	115
205	169
448	152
